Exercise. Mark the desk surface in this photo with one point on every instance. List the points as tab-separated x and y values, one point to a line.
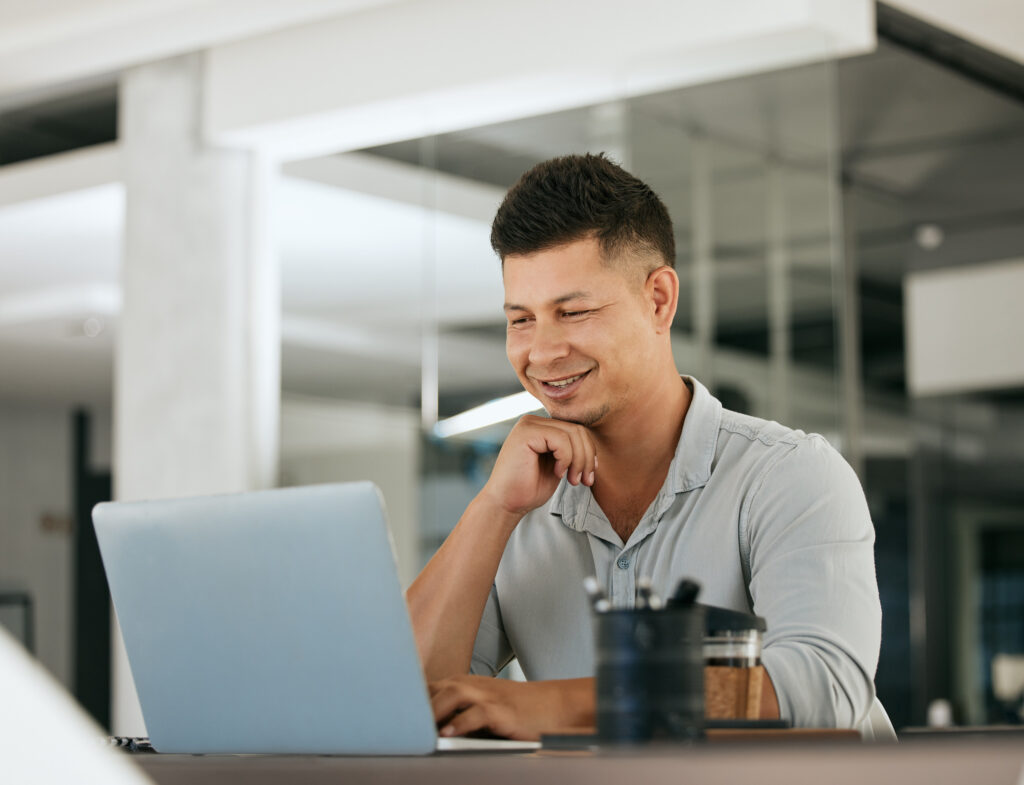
977	761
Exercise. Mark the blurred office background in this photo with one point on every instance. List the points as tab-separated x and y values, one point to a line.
246	244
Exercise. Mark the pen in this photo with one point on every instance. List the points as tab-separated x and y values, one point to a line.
644	592
647	599
599	602
686	592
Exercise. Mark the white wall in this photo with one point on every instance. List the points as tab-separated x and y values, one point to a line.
964	328
36	484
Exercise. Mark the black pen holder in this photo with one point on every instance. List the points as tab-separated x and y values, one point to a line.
650	675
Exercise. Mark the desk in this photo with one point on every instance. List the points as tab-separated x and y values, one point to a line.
974	761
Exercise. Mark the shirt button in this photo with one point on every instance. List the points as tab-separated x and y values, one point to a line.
623	563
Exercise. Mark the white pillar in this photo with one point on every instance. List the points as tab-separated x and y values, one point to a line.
197	381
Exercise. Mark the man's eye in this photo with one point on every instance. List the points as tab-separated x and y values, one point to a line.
574	314
518	322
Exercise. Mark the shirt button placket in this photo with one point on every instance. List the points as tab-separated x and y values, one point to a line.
622	582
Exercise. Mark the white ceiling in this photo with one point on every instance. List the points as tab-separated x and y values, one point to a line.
357	235
368	260
62	241
994	24
353	271
45	43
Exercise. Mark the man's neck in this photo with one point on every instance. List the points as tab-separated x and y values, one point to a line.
635	452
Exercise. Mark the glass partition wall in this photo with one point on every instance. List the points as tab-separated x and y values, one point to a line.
393	319
393	296
747	171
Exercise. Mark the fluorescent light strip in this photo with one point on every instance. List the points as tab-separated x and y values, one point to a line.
490	413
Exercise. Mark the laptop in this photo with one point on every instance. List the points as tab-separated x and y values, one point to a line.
269	622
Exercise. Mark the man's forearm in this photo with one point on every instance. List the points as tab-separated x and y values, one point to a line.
577	704
769	699
447	600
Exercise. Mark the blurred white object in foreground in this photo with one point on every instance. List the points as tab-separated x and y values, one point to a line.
45	737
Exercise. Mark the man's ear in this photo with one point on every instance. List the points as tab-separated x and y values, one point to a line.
662	287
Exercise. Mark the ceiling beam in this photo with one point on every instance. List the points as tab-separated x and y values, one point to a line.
45	44
53	175
412	69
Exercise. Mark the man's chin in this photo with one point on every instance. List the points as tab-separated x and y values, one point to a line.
588	419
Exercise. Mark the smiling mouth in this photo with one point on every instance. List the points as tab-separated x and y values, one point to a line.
565	382
562	387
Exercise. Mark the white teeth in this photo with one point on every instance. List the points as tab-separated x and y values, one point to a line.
564	382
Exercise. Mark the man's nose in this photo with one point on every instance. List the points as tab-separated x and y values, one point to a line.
548	343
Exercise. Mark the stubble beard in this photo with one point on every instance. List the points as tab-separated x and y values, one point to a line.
588	419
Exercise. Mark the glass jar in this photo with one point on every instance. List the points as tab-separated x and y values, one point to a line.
732	648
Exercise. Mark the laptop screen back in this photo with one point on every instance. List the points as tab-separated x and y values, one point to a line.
267	622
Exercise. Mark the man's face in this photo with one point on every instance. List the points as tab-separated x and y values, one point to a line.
581	333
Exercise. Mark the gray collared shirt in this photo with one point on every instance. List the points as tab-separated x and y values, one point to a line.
767	519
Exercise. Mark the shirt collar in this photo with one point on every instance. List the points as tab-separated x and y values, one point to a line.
690	467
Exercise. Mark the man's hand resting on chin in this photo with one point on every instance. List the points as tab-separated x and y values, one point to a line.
512	709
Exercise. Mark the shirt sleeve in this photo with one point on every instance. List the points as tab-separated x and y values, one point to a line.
491	650
810	543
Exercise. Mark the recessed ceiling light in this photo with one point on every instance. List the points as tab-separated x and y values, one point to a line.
490	413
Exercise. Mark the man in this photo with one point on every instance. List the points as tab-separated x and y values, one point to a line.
637	472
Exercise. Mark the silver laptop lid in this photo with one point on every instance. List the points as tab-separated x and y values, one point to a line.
267	622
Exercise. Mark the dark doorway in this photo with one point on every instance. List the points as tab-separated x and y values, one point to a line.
92	597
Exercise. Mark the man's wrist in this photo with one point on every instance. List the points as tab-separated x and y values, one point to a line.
489	509
576	703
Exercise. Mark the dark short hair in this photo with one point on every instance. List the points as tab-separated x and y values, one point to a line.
578	196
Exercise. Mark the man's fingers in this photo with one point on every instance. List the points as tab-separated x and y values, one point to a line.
472	719
583	464
556	442
459	710
449	701
466	704
570	445
589	463
578	467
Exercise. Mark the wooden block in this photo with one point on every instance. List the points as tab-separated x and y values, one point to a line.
732	693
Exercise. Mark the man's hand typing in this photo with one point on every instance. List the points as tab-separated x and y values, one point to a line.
516	710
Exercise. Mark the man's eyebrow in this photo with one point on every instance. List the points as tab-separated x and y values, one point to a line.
577	295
